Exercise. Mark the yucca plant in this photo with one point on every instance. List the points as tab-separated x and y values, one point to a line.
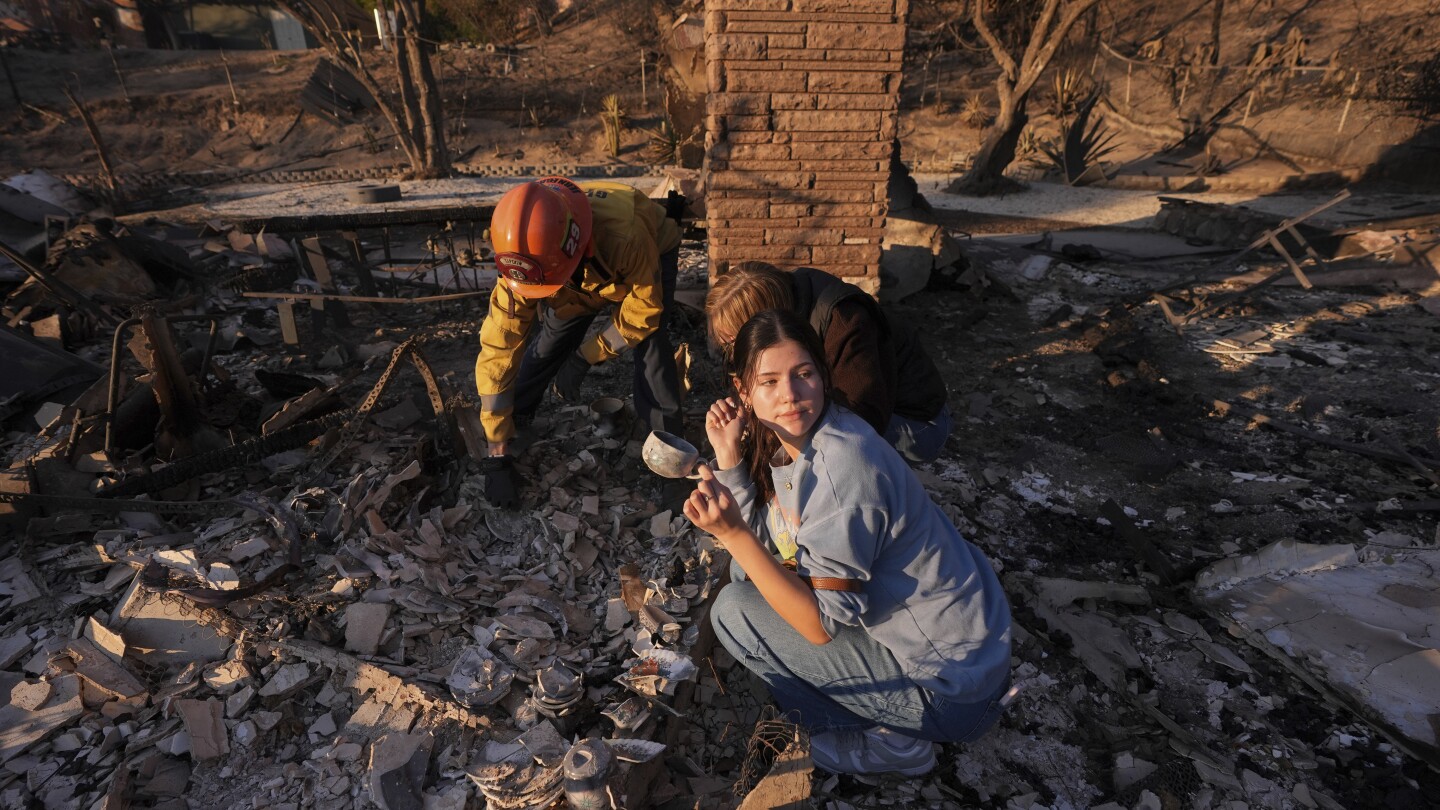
1027	147
1083	144
612	117
666	143
1071	89
976	113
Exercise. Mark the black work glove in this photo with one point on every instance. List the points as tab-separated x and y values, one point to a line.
502	483
572	373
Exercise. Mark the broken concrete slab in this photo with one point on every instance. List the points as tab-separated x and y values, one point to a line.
1363	629
30	695
102	671
165	632
364	625
286	680
788	782
209	738
20	729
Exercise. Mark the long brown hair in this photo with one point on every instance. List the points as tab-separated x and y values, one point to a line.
764	331
748	288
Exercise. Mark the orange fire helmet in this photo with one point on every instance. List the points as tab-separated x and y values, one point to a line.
540	231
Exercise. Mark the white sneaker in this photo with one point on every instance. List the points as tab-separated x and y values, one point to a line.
874	750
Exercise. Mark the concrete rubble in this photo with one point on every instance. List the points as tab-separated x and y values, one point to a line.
322	611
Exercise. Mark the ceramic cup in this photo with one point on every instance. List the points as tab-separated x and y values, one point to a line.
606	412
670	456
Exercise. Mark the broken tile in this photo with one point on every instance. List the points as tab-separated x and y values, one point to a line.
203	721
20	729
285	680
30	695
397	770
364	625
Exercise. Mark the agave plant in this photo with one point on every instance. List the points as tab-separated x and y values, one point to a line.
1083	144
612	116
1071	90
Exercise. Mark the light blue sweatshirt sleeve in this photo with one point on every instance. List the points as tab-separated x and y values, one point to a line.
841	544
737	480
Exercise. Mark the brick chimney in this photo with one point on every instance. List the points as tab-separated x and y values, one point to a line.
801	116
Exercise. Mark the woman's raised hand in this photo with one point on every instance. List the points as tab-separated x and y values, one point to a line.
712	508
724	424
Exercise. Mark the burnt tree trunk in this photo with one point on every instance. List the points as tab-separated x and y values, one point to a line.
414	113
1033	43
986	174
436	156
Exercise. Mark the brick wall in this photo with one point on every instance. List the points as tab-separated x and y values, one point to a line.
801	115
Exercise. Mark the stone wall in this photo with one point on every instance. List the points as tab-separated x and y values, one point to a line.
801	118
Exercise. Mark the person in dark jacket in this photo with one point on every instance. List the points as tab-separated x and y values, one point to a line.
881	372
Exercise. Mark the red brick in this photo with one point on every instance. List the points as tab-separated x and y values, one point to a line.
737	103
791	210
748	6
843	166
845	209
847	223
893	58
851	271
734	209
768	222
804	236
862	136
831	150
753	137
762	253
793	101
737	46
874	189
845	254
737	236
810	195
869	36
747	122
869	233
849	82
764	166
856	101
759	151
714	72
773	80
795	60
835	121
843	6
850	17
785	41
734	24
761	180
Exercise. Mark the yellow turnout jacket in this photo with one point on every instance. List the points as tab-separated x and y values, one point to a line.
630	233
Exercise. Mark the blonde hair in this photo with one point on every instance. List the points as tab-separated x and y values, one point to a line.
748	289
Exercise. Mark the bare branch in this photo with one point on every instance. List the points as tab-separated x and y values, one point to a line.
1040	30
997	49
1035	63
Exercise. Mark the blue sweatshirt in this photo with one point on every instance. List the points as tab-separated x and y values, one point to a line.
850	507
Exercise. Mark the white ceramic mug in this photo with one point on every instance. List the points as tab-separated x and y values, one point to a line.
670	456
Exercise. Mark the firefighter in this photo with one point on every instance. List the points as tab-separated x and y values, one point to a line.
564	251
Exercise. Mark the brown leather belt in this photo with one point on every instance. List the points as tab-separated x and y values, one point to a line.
827	583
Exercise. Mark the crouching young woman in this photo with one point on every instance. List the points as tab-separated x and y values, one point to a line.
854	598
